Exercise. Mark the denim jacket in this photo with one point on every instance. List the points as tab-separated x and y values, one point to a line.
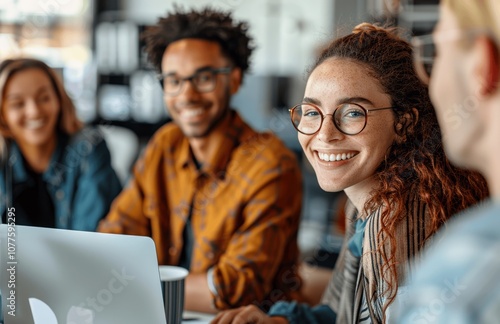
80	179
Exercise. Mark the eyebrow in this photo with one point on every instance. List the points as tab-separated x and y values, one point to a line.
360	100
198	70
312	101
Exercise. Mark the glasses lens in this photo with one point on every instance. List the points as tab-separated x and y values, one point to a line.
171	84
425	53
204	81
350	118
306	118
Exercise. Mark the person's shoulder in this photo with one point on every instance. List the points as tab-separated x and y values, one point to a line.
88	135
464	242
268	145
458	268
85	143
481	221
264	152
168	134
85	148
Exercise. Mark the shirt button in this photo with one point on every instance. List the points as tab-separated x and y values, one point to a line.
59	194
172	250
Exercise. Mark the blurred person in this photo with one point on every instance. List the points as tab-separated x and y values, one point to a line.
54	172
217	197
367	126
457	281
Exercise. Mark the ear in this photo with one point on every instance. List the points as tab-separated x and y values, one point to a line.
488	65
235	80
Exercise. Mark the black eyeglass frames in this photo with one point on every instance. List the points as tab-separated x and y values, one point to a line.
203	80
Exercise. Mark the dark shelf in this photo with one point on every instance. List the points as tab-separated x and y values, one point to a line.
121	79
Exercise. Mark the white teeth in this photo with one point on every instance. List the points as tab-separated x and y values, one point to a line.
34	124
335	157
192	112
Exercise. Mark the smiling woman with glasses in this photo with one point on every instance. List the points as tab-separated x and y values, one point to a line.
367	127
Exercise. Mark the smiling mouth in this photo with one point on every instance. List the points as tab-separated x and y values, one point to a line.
192	113
336	157
34	124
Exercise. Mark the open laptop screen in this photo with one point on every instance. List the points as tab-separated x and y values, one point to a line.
78	277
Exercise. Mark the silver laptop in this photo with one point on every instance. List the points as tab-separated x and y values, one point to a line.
52	276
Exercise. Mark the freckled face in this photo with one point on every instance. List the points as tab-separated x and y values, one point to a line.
337	81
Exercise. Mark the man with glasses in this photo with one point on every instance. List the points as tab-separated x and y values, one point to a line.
457	281
217	197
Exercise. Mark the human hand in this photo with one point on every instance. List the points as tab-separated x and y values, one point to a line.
246	315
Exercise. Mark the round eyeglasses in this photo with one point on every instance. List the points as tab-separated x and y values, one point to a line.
348	118
203	80
425	49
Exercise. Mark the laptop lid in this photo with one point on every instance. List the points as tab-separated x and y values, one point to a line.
76	277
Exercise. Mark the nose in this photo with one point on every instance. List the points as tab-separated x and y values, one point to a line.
328	131
31	108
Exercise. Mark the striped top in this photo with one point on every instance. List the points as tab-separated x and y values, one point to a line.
358	279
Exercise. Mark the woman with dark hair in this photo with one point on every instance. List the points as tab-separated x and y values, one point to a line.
367	127
54	172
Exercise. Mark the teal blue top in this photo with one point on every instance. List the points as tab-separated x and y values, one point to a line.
80	180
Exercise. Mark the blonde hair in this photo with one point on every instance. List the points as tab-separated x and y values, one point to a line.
68	122
477	14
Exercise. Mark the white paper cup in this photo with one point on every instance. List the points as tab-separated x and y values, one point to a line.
172	279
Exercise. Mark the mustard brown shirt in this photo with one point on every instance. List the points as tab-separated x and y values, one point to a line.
246	203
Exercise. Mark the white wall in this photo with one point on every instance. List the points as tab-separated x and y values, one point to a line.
287	33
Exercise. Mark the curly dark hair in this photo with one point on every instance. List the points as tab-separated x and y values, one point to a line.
417	161
207	24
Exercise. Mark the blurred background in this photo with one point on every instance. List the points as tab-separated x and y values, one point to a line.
95	46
